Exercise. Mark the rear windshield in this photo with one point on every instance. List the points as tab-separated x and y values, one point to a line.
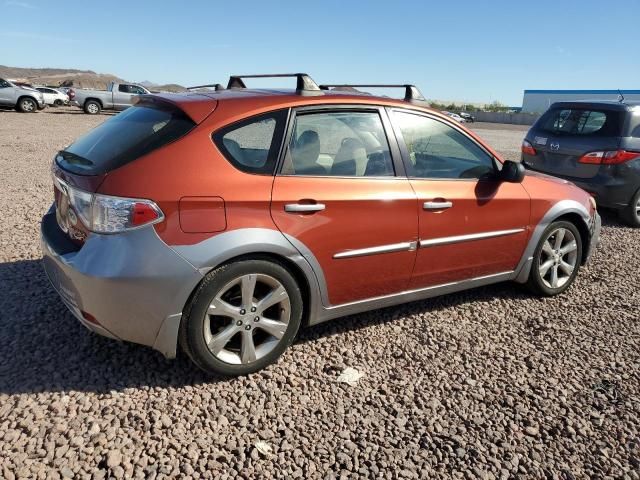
582	122
123	138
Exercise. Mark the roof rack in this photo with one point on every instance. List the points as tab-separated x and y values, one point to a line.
411	92
216	86
304	83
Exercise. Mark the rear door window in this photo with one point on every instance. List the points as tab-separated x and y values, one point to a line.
339	144
131	134
582	122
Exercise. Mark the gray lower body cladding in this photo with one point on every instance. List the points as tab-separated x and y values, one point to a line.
133	284
136	286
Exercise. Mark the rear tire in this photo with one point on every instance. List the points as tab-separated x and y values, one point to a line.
631	214
92	107
242	317
556	259
27	105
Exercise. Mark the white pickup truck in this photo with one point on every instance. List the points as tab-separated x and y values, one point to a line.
118	96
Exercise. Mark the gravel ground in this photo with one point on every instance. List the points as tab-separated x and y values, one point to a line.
489	383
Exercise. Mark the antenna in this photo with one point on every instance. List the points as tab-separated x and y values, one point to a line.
620	96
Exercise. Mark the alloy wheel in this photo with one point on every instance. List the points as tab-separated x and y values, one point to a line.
246	319
92	107
27	106
637	209
558	258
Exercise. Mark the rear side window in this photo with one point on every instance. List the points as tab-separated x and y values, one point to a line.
131	134
252	145
577	121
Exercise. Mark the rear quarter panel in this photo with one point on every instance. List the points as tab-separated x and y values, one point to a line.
194	167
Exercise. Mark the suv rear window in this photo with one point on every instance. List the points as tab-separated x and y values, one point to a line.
578	121
121	139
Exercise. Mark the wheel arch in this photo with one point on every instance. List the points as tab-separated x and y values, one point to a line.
244	244
583	228
570	210
95	99
26	95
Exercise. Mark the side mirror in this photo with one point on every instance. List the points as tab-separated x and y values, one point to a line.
512	172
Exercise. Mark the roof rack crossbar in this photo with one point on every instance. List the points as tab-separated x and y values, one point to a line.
411	92
217	87
304	83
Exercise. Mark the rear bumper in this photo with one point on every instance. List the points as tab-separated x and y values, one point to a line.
613	187
132	284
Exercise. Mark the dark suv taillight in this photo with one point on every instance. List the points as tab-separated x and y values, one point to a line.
610	157
527	148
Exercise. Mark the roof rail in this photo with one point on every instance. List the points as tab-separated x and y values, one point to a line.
216	86
411	92
304	83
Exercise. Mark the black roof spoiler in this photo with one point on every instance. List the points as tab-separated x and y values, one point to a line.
305	85
411	92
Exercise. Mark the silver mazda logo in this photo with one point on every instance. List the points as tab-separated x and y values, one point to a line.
555	147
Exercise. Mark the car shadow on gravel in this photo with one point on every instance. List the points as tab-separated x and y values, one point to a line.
507	290
43	348
611	219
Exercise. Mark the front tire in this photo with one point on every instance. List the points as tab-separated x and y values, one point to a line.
58	103
242	318
556	259
27	105
92	107
631	214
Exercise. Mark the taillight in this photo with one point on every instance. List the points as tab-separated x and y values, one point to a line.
592	157
527	148
108	214
116	214
610	157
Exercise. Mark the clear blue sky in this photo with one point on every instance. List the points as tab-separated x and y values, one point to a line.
457	49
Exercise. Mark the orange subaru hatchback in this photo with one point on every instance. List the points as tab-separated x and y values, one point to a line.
224	219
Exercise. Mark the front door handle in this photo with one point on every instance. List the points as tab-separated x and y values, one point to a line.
436	205
304	207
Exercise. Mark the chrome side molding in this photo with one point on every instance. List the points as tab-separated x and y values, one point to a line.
362	252
468	238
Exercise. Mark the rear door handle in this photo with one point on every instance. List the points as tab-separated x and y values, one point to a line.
304	207
436	205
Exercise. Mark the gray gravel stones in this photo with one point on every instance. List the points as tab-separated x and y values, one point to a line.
490	383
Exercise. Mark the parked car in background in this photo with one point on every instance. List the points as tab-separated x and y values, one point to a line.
53	96
71	93
118	96
223	221
595	145
467	117
455	116
23	99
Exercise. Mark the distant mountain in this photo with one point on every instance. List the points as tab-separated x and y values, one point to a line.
69	77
